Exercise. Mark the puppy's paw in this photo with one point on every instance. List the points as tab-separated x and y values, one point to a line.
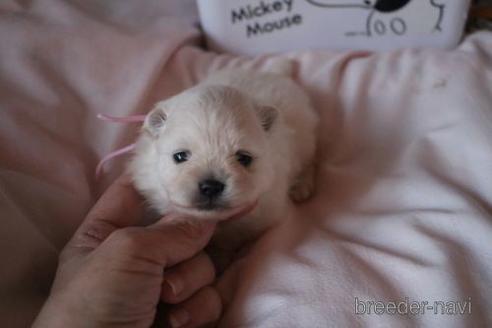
303	187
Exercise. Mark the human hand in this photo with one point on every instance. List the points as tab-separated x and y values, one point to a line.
113	273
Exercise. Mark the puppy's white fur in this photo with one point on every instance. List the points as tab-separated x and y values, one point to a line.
264	114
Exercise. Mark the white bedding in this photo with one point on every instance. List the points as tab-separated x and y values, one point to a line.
403	211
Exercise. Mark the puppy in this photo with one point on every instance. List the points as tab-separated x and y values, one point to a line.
233	148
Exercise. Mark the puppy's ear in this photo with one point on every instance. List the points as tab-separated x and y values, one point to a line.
155	121
268	116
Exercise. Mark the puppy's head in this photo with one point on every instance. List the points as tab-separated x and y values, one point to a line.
205	152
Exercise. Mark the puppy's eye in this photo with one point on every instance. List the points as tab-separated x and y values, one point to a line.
244	158
181	156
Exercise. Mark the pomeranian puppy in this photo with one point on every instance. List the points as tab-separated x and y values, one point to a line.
234	148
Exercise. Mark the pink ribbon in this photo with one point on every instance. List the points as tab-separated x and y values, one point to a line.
121	151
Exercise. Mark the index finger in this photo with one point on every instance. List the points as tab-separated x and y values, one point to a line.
120	206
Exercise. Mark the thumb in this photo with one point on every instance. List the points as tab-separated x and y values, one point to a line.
169	241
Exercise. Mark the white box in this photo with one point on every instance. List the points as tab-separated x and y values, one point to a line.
264	26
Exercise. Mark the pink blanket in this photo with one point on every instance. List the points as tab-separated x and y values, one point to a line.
404	202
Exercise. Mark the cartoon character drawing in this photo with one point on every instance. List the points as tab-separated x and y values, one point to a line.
393	17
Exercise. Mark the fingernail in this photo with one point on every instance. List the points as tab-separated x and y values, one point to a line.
179	318
174	284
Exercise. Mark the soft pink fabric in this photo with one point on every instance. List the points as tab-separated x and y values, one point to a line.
404	198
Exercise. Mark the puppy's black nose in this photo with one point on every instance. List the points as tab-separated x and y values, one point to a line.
211	188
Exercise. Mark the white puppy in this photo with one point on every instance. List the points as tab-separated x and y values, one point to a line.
239	142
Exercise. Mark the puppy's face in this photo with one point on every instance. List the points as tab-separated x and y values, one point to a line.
209	152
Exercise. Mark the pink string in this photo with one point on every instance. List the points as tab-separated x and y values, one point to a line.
112	155
124	150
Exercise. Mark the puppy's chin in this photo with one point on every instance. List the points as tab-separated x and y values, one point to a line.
215	213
